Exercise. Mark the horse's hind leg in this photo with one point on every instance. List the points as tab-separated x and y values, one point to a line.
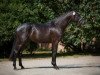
15	54
19	44
20	60
21	47
14	60
22	35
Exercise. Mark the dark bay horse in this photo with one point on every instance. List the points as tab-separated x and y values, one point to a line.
50	32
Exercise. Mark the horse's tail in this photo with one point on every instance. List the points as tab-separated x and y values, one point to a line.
12	51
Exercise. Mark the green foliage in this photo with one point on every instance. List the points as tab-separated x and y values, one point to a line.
91	13
15	12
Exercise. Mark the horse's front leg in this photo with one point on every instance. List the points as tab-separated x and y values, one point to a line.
54	53
20	60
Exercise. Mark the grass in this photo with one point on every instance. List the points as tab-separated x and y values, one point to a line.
48	54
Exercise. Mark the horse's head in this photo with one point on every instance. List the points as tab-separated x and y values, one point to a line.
77	18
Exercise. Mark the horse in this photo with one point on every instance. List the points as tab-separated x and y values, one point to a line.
50	32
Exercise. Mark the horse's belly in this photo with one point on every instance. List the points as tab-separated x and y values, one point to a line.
41	38
44	40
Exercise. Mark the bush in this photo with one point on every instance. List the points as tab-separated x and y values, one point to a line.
15	12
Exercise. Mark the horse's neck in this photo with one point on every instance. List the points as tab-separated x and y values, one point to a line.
62	24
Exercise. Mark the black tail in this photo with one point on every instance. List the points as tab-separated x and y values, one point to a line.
12	51
11	55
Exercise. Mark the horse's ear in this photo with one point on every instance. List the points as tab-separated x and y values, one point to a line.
74	13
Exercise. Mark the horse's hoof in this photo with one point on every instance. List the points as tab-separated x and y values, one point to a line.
15	68
56	67
22	67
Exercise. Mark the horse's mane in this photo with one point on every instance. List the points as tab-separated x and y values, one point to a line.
63	16
56	20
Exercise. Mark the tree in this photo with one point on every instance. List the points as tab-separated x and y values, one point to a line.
15	12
